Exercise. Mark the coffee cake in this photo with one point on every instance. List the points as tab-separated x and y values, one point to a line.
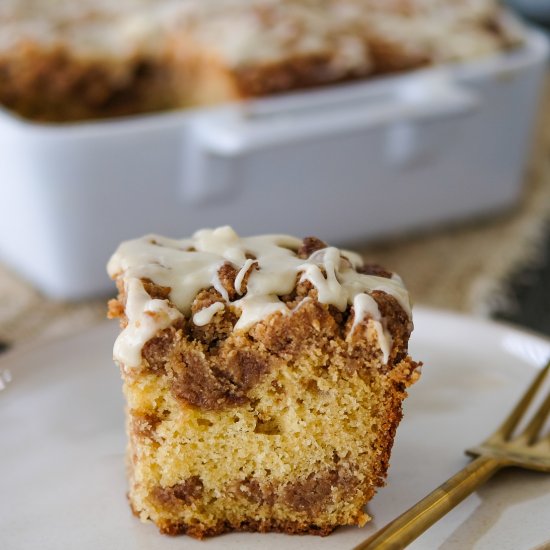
66	61
264	378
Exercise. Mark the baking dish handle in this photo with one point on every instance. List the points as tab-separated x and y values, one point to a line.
236	131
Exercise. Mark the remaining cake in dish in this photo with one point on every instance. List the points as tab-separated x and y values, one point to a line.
264	378
66	60
255	48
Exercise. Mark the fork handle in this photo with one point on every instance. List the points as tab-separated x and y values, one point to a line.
412	523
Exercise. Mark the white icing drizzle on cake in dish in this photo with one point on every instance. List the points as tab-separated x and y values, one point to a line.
189	265
242	32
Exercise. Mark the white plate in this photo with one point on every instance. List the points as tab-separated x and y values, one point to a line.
62	479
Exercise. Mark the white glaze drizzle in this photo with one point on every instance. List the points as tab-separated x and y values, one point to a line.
190	265
241	32
146	316
365	306
241	274
204	316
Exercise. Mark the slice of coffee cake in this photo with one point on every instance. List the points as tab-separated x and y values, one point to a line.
264	378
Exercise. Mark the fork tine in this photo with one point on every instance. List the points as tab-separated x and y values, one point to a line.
537	422
511	423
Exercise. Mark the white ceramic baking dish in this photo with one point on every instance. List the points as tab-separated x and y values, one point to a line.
349	162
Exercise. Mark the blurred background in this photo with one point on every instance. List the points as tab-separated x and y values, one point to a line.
415	131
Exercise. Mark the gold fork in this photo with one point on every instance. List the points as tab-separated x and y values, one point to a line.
502	449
